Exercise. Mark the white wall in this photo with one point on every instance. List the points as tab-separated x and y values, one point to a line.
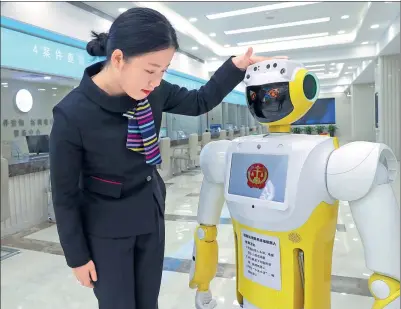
43	103
363	112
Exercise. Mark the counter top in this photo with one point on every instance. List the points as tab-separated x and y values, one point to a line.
28	165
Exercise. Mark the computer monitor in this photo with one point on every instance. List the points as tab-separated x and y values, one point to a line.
38	143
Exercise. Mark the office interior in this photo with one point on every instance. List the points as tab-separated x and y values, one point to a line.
355	55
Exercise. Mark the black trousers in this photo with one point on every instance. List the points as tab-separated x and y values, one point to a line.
129	269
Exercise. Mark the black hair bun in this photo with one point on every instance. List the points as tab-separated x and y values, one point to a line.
98	46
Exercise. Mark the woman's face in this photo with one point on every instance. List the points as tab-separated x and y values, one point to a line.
140	75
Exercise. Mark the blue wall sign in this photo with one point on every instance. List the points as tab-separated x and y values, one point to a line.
30	48
22	51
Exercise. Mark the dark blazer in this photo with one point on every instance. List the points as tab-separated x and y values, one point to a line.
99	186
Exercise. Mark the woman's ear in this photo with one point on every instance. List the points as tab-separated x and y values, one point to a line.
117	59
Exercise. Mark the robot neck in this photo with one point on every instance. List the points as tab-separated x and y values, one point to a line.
285	128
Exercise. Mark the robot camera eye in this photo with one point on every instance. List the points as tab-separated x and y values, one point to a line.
248	76
274	65
282	71
268	66
255	68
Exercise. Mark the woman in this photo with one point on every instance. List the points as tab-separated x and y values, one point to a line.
107	194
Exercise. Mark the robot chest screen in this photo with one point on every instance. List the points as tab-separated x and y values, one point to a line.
259	176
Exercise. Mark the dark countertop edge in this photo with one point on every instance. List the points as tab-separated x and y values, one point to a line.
28	167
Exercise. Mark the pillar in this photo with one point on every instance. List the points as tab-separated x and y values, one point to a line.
388	88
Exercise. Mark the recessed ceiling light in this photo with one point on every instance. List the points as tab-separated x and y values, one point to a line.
347	73
54	94
54	88
345	17
374	26
213	59
341	32
317	70
4	84
195	47
333	63
227	45
350	68
276	26
193	19
41	89
47	77
288	38
212	34
315	65
263	8
122	10
364	43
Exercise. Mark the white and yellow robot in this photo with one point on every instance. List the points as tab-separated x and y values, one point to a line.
282	192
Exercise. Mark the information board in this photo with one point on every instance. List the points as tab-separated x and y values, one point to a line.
261	258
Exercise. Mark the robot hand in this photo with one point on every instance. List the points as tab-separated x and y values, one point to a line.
204	300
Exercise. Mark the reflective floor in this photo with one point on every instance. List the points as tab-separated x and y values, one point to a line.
38	278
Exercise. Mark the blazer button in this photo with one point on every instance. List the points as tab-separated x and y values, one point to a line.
149	178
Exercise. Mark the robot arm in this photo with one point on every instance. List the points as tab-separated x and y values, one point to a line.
211	201
362	173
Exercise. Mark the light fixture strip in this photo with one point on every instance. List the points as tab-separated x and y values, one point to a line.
277	26
258	9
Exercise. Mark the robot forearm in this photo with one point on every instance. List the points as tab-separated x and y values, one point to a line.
211	201
377	217
205	252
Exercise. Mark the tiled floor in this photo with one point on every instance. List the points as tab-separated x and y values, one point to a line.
38	278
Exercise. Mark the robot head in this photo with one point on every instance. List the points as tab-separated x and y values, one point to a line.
279	92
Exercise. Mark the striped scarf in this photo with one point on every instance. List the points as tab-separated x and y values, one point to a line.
142	136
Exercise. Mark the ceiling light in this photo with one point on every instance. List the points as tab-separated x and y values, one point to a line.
333	63
54	94
350	68
193	19
213	59
374	26
4	84
227	45
212	34
317	70
195	48
341	32
315	65
345	17
54	88
47	77
347	73
41	89
276	26
263	8
288	38
122	10
364	43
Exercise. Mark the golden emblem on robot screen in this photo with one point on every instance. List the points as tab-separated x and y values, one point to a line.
257	176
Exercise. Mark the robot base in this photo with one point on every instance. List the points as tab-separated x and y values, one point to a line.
304	285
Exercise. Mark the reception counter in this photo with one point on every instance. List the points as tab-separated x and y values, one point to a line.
26	180
28	184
